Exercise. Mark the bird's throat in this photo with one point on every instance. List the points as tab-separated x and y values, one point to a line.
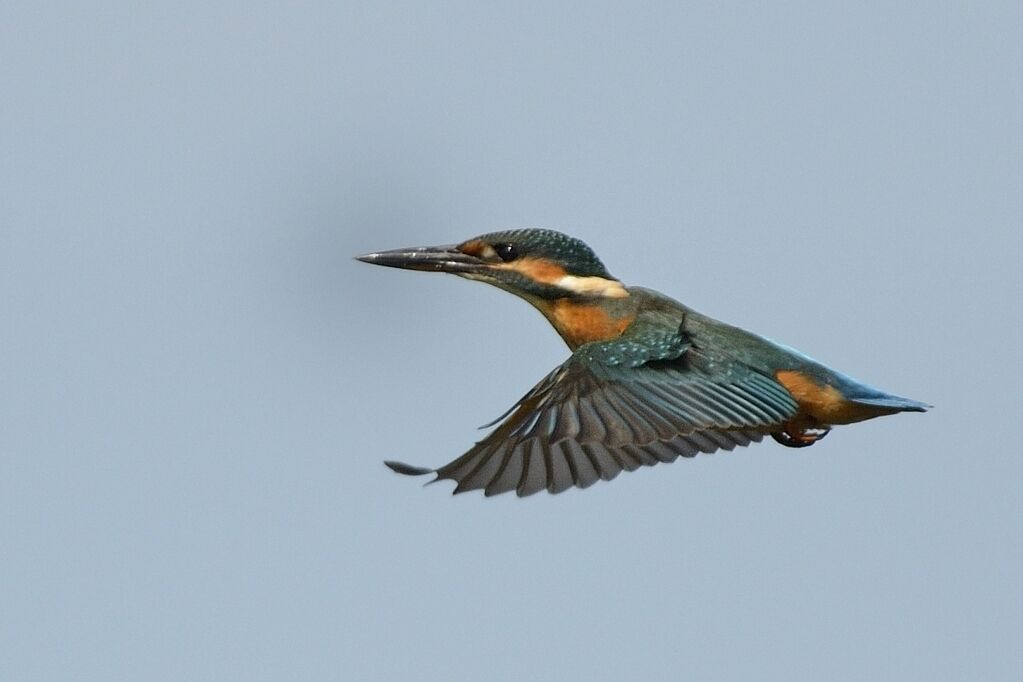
580	322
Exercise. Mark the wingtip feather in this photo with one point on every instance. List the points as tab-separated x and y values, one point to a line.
407	469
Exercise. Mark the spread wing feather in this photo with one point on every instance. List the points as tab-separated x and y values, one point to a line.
588	421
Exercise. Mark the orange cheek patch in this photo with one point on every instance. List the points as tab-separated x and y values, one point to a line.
536	269
579	324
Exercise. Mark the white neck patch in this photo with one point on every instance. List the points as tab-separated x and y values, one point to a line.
592	286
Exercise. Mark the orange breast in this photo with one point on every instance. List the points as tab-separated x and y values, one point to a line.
580	323
824	404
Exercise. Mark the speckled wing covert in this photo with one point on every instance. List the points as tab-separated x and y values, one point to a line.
649	396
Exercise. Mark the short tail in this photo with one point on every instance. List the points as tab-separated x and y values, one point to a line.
894	403
408	469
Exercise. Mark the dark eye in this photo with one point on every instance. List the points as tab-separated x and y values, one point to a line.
506	252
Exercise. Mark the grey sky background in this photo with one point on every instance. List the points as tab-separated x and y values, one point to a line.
199	384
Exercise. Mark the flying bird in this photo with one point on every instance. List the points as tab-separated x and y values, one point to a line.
649	379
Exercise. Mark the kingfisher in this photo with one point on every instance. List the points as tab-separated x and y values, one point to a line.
649	379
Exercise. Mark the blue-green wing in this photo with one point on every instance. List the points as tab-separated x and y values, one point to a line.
647	397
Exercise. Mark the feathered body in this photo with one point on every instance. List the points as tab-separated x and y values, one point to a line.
649	379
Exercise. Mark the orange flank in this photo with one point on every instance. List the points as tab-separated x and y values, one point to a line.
822	404
580	323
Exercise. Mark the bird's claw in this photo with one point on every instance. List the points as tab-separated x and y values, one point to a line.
800	438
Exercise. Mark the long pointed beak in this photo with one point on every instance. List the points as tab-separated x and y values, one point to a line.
428	258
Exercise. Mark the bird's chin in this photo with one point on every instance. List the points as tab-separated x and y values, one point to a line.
477	275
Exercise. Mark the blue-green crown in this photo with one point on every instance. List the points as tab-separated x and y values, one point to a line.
572	254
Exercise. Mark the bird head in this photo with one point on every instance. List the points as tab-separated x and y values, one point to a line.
535	264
